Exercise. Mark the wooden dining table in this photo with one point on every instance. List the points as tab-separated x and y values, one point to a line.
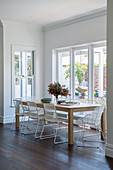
81	107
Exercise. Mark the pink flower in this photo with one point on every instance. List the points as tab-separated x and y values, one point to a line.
61	91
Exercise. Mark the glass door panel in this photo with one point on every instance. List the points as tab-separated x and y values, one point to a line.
100	63
17	87
17	63
29	64
81	73
64	68
29	87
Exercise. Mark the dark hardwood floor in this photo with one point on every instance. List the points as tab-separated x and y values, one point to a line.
18	152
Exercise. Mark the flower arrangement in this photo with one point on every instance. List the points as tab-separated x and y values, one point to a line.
56	89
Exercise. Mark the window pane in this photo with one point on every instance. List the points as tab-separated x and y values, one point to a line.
23	62
17	63
64	68
29	64
23	87
17	88
81	73
100	60
29	87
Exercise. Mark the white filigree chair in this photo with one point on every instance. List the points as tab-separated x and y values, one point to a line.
21	111
36	114
78	115
94	119
54	119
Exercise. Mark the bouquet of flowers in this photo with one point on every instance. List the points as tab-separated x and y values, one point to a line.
56	89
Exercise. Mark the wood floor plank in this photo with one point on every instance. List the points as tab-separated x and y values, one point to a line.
25	153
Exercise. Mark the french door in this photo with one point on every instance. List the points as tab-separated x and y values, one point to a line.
100	72
23	74
81	74
83	70
63	73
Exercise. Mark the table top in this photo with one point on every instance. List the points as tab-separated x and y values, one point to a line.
78	105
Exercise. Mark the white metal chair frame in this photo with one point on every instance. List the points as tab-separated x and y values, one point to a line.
18	103
78	115
92	119
35	114
54	119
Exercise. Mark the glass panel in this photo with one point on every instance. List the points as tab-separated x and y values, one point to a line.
29	87
23	62
100	62
29	64
81	73
23	87
64	68
17	88
17	63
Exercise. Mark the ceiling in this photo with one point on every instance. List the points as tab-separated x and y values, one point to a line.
45	12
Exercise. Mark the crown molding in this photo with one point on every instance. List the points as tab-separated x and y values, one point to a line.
79	18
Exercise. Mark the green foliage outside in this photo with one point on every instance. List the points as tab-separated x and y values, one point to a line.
79	72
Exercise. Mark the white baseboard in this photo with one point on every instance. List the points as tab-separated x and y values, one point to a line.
1	119
5	120
109	150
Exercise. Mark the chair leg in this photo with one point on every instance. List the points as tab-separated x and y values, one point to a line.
25	130
102	134
37	129
13	124
22	125
78	136
90	146
42	132
98	137
45	136
56	135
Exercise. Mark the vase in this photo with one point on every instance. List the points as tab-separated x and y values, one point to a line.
56	99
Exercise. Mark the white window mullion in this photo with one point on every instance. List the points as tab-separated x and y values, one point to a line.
57	66
21	74
70	84
101	74
54	65
73	75
26	77
90	73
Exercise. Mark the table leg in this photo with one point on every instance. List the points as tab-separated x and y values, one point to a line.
103	123
17	117
70	127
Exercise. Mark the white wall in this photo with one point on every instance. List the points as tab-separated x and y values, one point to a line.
22	35
109	145
83	32
1	70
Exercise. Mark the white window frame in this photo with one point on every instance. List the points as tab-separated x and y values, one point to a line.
90	47
21	49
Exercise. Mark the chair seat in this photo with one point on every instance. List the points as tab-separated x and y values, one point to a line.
81	115
56	120
22	114
62	114
35	116
60	120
